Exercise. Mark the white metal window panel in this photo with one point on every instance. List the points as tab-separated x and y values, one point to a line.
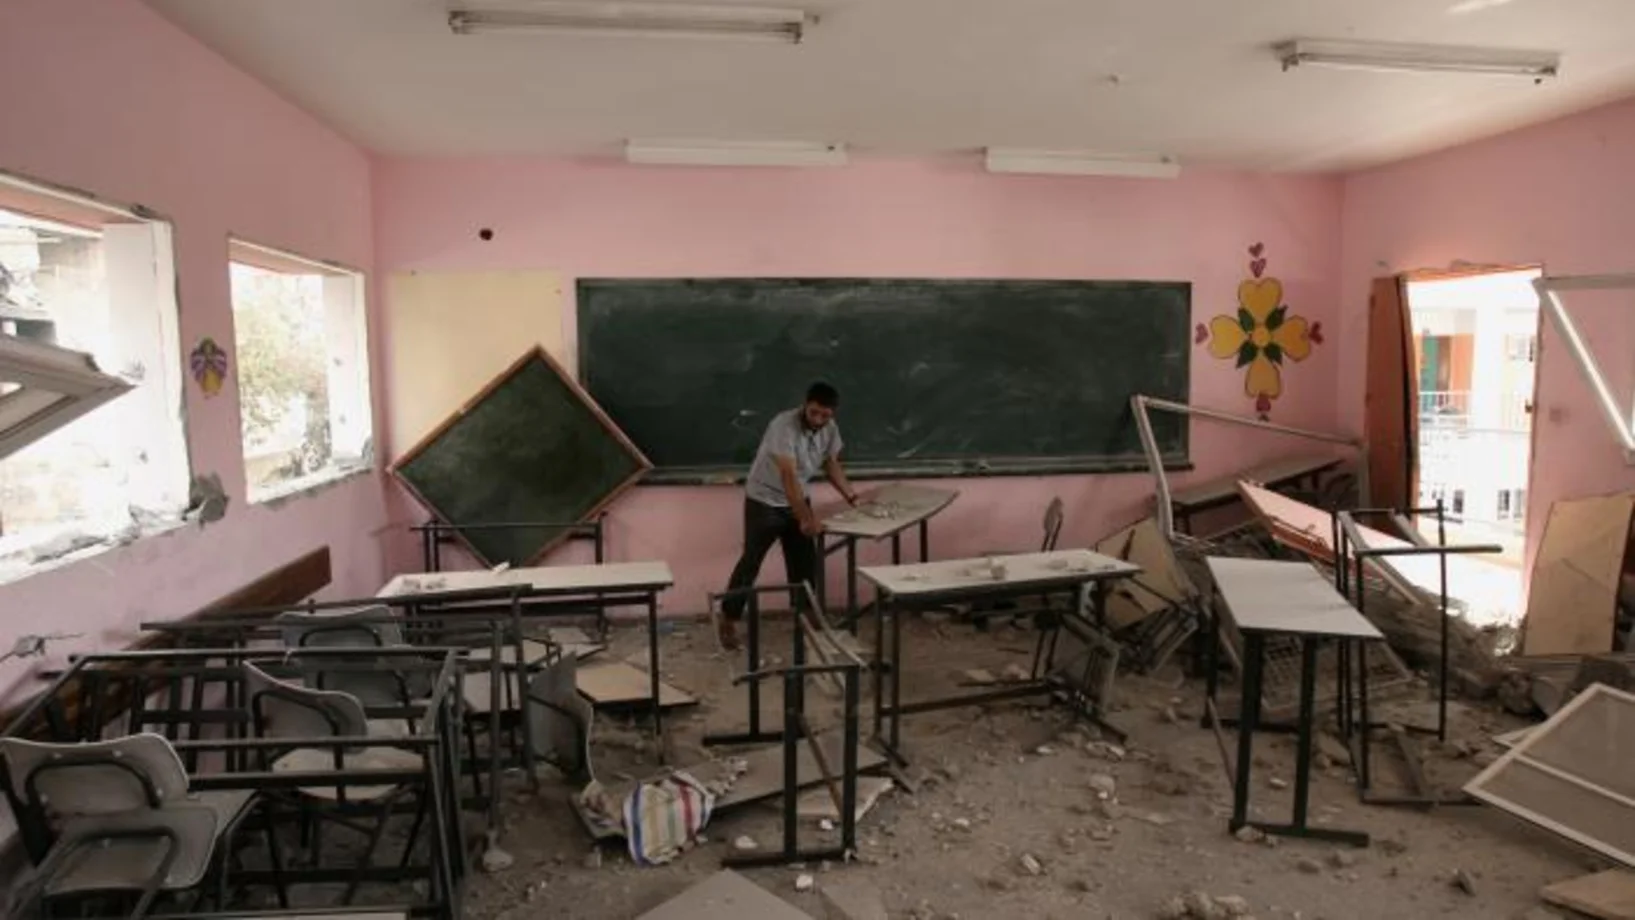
1570	775
1616	412
45	388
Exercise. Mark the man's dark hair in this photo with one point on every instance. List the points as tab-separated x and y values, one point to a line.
824	395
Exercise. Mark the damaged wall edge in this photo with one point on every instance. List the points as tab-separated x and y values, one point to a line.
1140	404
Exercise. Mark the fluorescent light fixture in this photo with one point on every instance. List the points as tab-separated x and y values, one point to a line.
734	153
1432	58
639	20
1071	163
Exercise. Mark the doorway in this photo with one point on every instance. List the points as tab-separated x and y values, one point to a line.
1475	347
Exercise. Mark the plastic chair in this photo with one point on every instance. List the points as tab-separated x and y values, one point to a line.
280	709
120	819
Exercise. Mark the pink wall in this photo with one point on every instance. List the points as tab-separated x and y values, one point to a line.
885	218
105	96
1561	194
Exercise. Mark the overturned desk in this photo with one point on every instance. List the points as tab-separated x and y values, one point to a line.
1267	598
886	512
1068	587
562	590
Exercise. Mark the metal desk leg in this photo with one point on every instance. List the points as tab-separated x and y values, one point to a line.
1302	751
821	576
879	668
1248	718
897	685
897	548
925	541
851	582
1362	713
653	674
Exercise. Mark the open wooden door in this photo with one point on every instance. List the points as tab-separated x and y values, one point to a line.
1391	400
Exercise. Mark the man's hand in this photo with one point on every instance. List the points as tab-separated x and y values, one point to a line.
810	525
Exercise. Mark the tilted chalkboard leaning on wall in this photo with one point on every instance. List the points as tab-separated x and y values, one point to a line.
936	377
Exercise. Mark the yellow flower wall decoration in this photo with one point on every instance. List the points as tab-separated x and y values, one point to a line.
1262	335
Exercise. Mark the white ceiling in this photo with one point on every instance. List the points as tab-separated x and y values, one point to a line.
1191	78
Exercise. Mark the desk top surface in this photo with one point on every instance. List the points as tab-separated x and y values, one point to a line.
1022	570
610	576
887	510
1288	597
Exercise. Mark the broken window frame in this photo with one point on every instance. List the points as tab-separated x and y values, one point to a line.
1620	417
52	387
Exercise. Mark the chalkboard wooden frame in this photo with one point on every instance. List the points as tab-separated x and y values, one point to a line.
625	341
639	464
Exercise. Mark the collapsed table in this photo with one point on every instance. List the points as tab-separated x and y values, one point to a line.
1078	578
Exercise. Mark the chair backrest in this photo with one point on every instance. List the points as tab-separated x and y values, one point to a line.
280	709
357	627
1053	524
131	773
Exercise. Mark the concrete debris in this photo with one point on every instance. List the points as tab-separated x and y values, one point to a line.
1309	866
1044	750
1195	905
1247	834
497	860
1391	846
805	882
1340	859
1333	748
593	859
1105	751
1462	881
1014	671
980	676
1031	865
1102	785
825	824
745	844
999	882
1277	783
963	824
1515	692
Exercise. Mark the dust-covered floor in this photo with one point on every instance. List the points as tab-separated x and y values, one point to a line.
1013	787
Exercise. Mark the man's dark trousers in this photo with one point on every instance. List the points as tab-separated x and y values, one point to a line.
763	526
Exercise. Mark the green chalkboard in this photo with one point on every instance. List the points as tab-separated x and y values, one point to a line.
936	377
530	447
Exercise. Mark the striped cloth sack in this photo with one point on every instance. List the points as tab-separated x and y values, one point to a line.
664	817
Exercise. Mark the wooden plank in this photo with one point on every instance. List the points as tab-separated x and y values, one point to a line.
290	583
609	682
1608	895
722	895
1022	570
1289	597
1573	600
1165	583
817	804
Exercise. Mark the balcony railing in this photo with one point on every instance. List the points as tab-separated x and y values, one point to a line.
1450	409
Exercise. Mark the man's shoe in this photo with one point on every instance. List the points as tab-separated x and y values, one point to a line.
727	632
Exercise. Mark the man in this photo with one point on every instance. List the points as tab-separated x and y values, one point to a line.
777	508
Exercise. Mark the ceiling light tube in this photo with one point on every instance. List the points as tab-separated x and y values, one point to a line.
734	153
640	20
1071	163
1538	65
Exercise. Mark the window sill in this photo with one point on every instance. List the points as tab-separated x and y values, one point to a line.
11	573
306	486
